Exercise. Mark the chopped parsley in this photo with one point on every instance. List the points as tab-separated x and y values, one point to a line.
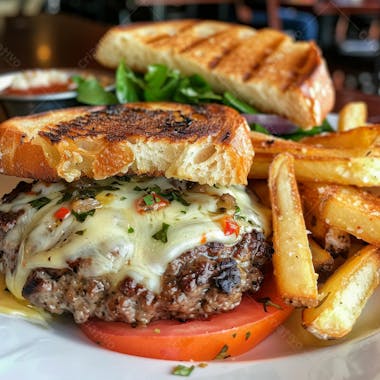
266	301
247	335
81	217
162	234
149	200
80	233
223	353
39	202
123	198
124	178
177	196
131	230
182	370
65	197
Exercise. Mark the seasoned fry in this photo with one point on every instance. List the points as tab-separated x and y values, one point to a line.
337	242
364	137
346	208
322	260
344	295
352	115
292	258
356	166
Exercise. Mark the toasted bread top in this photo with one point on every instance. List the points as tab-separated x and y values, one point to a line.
265	68
203	143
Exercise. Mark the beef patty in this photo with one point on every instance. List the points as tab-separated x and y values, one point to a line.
207	279
203	281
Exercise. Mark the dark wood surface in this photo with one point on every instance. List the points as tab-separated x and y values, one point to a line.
67	41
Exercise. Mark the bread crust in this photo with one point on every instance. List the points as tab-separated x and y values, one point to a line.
265	68
208	144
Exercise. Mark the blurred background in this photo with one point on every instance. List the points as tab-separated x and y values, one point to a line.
48	33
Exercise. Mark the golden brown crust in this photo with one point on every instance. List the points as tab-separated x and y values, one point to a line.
205	143
265	68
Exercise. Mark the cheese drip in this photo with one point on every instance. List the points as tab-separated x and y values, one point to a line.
115	239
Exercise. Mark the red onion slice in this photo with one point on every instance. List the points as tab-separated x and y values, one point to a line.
274	124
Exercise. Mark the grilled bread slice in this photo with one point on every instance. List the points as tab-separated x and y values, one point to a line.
208	144
265	68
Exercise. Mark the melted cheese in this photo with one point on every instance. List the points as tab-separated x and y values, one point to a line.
11	306
116	240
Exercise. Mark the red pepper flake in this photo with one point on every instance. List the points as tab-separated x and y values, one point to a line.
151	202
203	239
229	226
62	213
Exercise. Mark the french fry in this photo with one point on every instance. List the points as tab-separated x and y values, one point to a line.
356	166
322	260
364	137
344	295
346	208
352	115
292	260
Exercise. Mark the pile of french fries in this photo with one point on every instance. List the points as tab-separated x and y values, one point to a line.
325	199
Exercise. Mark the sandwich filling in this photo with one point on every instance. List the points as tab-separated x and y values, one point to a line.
117	229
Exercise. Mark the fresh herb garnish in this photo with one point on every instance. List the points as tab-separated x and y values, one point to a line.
65	197
131	230
301	133
247	335
80	233
81	217
124	178
182	370
159	83
259	128
126	89
162	234
149	200
90	91
39	202
177	196
266	301
223	353
232	101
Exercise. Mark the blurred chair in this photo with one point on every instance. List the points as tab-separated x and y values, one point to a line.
301	25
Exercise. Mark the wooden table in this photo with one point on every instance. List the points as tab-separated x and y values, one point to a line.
66	41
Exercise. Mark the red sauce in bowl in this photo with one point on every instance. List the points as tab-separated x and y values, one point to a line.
40	90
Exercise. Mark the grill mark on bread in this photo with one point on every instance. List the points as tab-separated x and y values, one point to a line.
164	36
266	54
303	69
200	41
118	123
167	38
226	52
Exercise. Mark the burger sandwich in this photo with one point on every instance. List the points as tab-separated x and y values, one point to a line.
136	213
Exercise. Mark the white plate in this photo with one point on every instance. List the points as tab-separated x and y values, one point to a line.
62	352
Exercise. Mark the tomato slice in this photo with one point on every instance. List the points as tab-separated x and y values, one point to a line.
227	334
